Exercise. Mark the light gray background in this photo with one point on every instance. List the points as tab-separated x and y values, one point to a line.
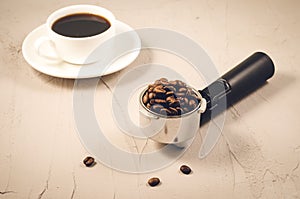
257	156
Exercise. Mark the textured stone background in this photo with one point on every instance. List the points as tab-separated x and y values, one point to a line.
257	156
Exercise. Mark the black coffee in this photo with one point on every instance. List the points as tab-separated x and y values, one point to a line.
80	25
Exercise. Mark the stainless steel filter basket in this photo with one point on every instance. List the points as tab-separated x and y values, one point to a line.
176	129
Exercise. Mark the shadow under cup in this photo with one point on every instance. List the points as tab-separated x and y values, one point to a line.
177	130
81	46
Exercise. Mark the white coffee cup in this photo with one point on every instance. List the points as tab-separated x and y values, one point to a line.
75	50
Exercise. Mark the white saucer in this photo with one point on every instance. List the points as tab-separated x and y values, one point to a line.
67	70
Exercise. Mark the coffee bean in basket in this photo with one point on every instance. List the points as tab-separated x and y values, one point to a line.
170	98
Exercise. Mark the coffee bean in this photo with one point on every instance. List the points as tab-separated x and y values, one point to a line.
150	88
89	161
173	110
145	98
170	88
153	181
170	99
158	86
165	111
160	101
185	109
148	105
160	81
180	83
182	90
193	103
152	101
170	93
159	90
156	107
183	100
179	110
151	95
173	83
174	103
185	169
177	94
163	79
186	100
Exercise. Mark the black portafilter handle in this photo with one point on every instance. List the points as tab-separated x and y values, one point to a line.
236	84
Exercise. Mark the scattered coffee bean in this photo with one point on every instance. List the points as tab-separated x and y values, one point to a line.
89	161
174	97
185	169
153	181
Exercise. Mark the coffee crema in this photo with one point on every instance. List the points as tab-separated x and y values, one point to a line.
81	25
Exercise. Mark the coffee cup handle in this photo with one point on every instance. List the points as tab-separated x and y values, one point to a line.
43	41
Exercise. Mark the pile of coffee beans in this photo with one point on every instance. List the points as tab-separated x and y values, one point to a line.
170	97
